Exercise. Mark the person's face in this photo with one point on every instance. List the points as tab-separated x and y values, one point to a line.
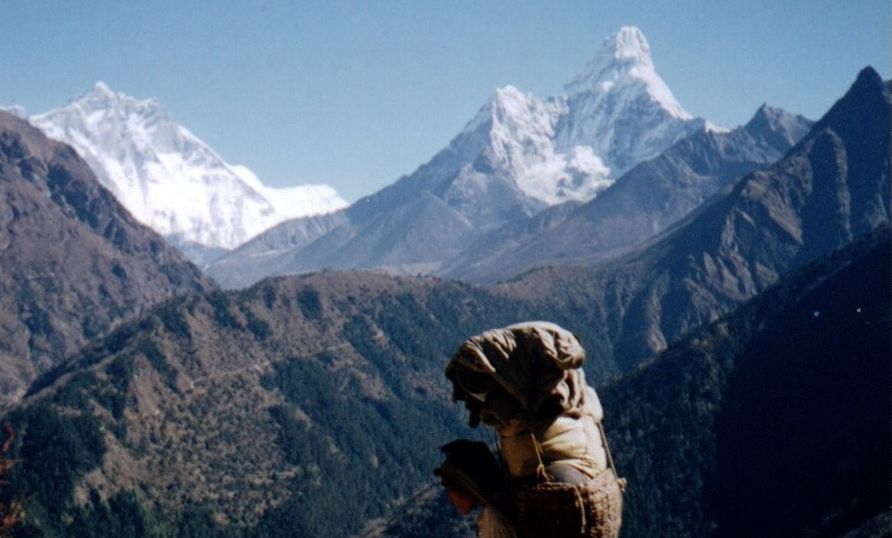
463	502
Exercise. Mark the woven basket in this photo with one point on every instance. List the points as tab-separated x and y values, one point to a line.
558	510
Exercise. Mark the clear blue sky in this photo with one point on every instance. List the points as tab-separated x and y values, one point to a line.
356	94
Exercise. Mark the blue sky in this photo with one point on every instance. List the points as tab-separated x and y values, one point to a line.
356	94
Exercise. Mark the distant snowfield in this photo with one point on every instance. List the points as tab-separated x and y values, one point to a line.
171	180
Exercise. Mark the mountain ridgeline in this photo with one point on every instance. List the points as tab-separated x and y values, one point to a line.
74	261
171	180
774	421
643	202
833	186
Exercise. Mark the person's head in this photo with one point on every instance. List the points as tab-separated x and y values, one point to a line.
470	473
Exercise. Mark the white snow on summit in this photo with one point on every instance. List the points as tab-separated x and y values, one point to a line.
620	107
615	114
520	130
623	62
521	133
295	201
171	180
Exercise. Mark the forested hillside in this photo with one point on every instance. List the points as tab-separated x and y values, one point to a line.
263	411
773	421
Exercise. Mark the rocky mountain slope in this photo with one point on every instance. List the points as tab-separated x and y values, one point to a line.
516	157
640	204
74	261
258	412
773	421
169	179
832	187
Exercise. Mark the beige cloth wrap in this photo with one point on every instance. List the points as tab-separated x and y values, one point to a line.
541	403
575	442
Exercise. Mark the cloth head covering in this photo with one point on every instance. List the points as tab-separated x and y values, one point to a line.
527	372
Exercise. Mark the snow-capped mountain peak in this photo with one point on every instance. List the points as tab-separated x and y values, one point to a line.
624	63
626	45
621	107
168	178
508	107
101	93
616	113
514	133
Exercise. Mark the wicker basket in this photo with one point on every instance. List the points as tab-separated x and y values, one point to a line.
559	510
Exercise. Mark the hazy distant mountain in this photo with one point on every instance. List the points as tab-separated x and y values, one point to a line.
832	187
272	251
74	261
171	180
641	203
516	157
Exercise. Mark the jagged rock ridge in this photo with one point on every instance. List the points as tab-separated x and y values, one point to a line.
644	201
832	187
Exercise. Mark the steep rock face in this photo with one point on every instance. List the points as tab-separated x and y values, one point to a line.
640	204
833	186
169	179
516	157
74	261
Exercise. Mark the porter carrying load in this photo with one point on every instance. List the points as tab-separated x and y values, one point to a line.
525	382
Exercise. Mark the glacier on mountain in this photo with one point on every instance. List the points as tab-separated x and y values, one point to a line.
171	180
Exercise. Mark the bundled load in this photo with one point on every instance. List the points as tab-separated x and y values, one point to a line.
525	382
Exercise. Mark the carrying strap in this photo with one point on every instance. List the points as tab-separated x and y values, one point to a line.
541	474
622	482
